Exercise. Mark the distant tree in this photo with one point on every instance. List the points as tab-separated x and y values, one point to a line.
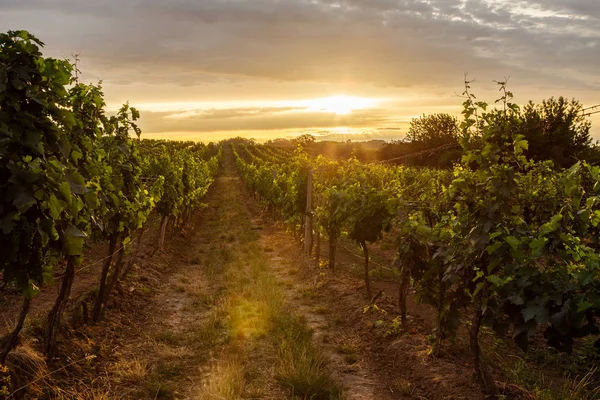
305	140
556	130
433	130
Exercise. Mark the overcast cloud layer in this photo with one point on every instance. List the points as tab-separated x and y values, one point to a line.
243	52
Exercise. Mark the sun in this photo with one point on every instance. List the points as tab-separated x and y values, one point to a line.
340	104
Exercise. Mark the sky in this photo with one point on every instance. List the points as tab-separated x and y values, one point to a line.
338	69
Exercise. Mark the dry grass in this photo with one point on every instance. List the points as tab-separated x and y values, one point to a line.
301	366
130	371
303	370
170	337
585	388
86	394
209	331
28	370
226	381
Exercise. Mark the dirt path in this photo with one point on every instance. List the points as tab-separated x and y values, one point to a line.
224	322
352	370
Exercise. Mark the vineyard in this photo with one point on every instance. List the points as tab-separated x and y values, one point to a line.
224	269
501	241
72	175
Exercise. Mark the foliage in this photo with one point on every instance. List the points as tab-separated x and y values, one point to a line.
502	238
186	172
556	130
69	173
41	190
305	140
433	130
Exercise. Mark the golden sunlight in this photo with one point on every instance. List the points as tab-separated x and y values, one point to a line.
340	105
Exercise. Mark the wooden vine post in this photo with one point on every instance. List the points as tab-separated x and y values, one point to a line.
308	220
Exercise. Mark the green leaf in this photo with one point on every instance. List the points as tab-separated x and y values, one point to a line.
18	83
54	207
491	249
583	306
76	155
536	246
31	289
497	281
552	225
478	288
560	321
74	241
65	191
65	148
495	235
521	145
23	201
91	199
48	274
76	182
516	299
530	312
513	242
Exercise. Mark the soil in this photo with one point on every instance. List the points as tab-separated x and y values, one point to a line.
86	280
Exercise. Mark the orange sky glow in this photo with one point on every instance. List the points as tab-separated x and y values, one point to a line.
344	69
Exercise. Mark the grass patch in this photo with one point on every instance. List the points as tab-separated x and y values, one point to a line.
403	387
226	381
256	309
225	254
169	337
169	370
158	389
308	292
209	332
301	367
349	352
130	372
249	319
579	381
303	371
204	300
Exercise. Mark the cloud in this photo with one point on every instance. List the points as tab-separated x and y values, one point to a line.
254	49
383	42
242	119
214	113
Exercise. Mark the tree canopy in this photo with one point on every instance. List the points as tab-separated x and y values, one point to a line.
556	130
433	130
